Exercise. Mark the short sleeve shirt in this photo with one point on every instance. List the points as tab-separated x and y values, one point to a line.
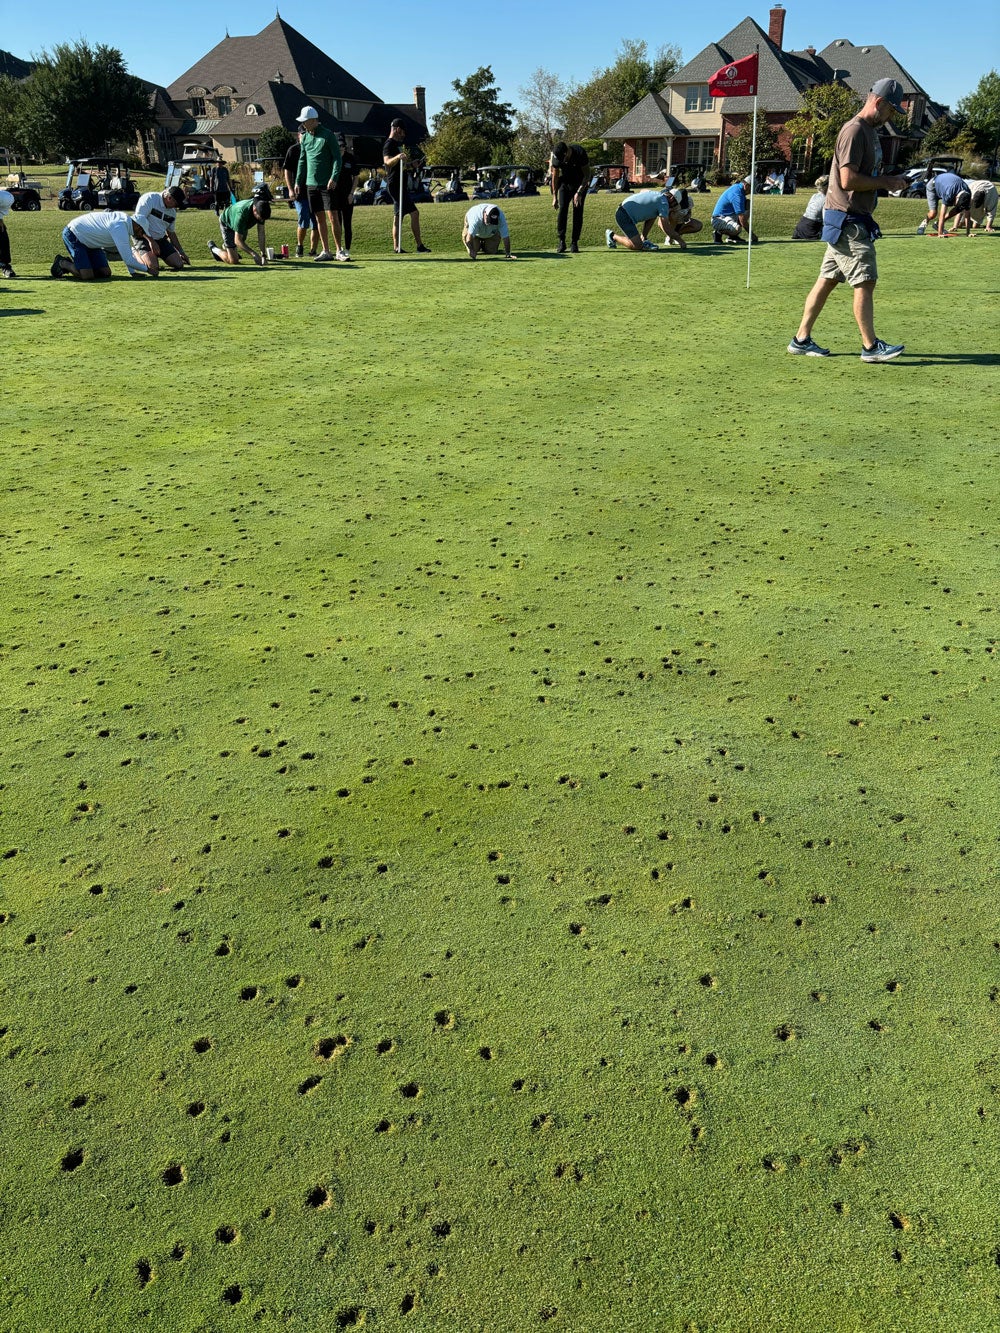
573	168
647	204
291	162
857	147
476	224
239	217
732	202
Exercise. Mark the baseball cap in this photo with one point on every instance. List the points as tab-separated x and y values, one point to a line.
747	180
890	91
492	214
963	199
308	113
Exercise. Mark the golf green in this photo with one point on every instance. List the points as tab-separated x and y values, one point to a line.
498	791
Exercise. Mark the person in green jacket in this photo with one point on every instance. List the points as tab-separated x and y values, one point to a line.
234	224
319	168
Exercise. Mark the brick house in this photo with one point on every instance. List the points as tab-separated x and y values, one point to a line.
246	85
683	124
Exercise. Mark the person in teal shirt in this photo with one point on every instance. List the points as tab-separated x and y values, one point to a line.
234	224
319	168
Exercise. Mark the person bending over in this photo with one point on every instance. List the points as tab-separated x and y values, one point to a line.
234	224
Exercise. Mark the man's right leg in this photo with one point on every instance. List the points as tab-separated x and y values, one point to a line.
815	302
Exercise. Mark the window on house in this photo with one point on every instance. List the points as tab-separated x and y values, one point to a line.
698	98
246	150
225	105
700	151
655	154
197	106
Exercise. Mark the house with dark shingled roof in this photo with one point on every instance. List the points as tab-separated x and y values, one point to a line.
683	124
246	85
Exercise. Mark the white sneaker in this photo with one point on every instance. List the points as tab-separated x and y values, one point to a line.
609	238
341	256
324	257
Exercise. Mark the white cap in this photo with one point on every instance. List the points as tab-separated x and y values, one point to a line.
308	113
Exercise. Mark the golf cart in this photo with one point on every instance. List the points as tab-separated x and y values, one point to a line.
918	176
489	182
452	191
195	173
365	192
26	197
611	176
690	175
98	182
520	183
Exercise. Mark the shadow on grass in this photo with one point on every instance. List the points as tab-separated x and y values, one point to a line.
21	310
951	359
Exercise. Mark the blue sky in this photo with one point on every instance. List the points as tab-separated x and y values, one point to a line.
946	48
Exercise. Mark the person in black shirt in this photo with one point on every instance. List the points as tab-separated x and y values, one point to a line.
394	156
567	180
340	201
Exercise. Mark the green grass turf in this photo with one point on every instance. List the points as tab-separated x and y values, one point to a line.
499	793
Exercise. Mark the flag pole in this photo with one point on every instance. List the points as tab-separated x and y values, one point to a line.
753	165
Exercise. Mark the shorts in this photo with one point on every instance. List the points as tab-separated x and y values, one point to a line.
725	222
82	257
303	214
852	259
319	200
228	236
624	221
164	245
408	205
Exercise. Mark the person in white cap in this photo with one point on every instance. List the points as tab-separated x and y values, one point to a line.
319	169
485	226
983	209
849	228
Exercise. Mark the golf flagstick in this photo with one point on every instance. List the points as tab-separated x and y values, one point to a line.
753	172
399	225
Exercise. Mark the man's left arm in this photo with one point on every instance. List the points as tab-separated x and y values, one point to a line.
121	234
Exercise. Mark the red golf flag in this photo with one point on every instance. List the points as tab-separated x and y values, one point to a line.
736	80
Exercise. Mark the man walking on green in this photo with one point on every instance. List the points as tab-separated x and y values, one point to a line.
319	168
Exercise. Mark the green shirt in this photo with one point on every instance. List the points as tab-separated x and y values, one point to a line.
239	217
319	161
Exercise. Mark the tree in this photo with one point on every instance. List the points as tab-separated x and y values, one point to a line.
80	98
455	145
478	110
275	142
12	114
938	137
589	108
740	145
541	102
981	109
825	109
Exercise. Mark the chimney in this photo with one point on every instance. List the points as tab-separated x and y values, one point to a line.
776	31
420	102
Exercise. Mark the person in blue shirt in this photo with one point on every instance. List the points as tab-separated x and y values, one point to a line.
643	209
947	195
731	215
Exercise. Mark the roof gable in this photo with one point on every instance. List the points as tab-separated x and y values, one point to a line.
862	66
784	75
648	119
246	63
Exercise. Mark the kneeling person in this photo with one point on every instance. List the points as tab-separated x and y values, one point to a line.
484	228
88	237
234	224
643	209
157	215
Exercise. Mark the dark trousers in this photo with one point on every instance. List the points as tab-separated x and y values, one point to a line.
346	210
4	246
564	197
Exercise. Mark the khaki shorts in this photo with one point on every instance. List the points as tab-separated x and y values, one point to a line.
852	259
